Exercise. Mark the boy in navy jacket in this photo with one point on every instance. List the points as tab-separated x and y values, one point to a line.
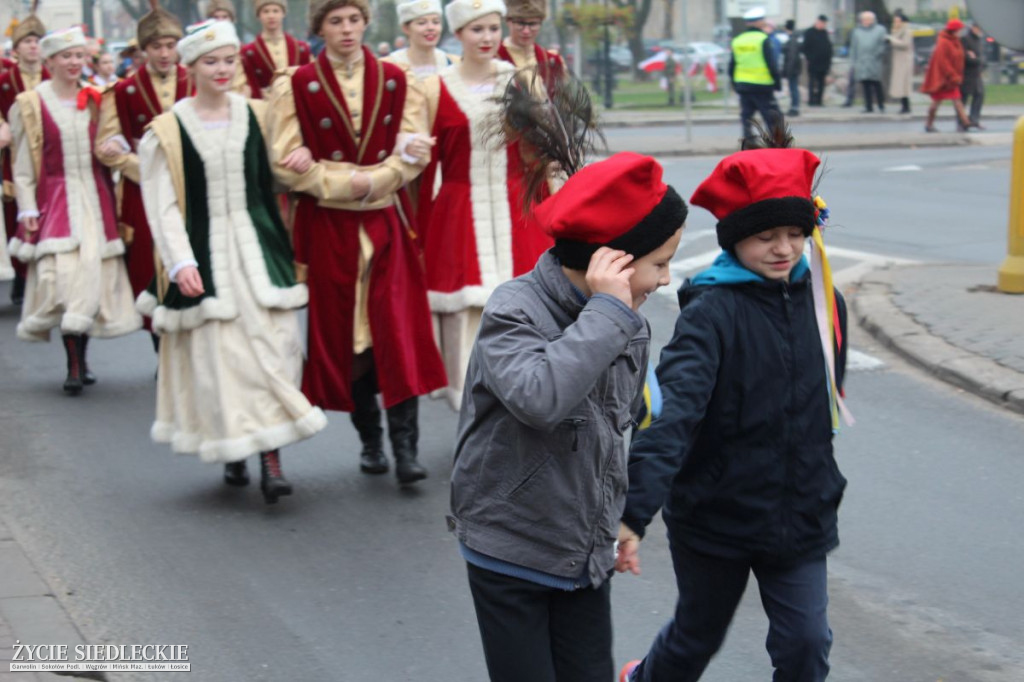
741	456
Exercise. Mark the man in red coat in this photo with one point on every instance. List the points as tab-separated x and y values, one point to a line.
273	49
369	323
127	108
524	20
24	74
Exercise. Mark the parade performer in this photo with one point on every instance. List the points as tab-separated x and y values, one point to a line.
225	299
524	19
555	379
478	234
126	110
221	10
67	231
421	22
741	456
273	49
23	75
369	323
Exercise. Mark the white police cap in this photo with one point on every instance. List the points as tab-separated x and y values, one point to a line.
754	14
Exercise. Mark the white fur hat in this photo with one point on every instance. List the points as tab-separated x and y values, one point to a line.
206	37
414	9
58	41
461	12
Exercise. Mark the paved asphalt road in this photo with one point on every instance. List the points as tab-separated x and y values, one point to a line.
352	579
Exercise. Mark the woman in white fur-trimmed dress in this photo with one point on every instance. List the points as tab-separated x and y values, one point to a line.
231	352
67	228
478	235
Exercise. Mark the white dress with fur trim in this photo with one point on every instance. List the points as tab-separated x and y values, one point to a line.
78	284
228	383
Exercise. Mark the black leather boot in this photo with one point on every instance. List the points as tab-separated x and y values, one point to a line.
72	346
272	480
366	419
404	432
18	290
88	378
236	473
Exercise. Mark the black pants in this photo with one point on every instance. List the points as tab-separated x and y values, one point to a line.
533	633
761	101
873	94
974	90
795	598
815	87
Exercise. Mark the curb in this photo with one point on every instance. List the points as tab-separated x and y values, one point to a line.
897	330
721	148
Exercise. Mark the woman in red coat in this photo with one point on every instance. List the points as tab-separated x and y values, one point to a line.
945	73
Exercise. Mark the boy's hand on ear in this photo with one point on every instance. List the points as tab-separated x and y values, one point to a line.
609	274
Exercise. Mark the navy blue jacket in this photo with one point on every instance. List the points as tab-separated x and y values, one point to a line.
741	456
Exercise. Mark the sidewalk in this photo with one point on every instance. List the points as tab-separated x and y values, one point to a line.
951	321
621	126
29	612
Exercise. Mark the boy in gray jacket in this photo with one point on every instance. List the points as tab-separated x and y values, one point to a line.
554	381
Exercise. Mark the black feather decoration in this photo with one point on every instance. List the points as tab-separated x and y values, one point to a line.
554	124
776	136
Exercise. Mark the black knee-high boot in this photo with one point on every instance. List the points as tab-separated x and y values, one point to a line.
72	347
404	432
366	419
272	480
88	378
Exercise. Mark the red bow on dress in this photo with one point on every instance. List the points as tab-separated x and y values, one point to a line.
86	94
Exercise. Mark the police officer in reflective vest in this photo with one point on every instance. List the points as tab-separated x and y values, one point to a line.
754	71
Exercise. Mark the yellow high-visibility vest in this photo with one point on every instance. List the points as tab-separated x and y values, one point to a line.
748	55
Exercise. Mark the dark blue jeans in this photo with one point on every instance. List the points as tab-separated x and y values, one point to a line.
794	596
762	102
794	92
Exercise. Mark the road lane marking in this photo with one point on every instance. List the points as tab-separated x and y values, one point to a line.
857	361
902	169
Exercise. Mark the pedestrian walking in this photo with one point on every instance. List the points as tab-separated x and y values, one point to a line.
369	321
20	76
973	86
125	111
945	74
901	72
479	235
224	300
754	72
555	379
867	54
741	457
273	49
67	226
792	67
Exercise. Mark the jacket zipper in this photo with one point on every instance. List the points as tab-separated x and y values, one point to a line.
576	424
786	483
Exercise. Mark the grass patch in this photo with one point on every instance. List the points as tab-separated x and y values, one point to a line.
1004	93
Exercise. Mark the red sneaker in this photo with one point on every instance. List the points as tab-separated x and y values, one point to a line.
627	670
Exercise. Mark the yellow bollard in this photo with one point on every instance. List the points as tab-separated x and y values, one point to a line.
1011	272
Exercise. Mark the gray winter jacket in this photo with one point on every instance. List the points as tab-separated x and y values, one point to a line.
539	478
867	52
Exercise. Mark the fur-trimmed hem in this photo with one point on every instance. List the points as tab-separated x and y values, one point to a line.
146	304
6	272
27	253
453	302
167	320
109	331
25	333
73	323
234	449
114	247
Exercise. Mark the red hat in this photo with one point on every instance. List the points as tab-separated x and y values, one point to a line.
759	189
620	202
954	25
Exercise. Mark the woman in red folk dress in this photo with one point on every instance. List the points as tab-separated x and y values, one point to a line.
67	231
478	235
